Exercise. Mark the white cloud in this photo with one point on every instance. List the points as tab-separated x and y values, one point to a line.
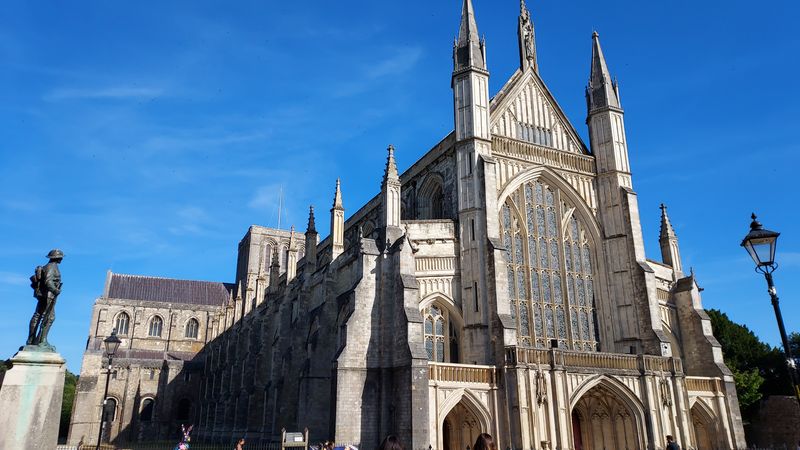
105	93
14	279
401	60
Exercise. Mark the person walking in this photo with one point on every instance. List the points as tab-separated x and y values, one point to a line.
671	444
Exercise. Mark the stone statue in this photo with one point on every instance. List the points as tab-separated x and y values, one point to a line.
46	284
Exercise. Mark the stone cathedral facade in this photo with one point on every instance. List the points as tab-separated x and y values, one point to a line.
498	285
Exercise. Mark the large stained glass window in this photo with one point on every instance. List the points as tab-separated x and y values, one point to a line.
549	269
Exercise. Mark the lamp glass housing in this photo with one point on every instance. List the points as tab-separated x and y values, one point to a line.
112	343
762	250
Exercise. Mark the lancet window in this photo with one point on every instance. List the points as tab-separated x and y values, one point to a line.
440	340
549	269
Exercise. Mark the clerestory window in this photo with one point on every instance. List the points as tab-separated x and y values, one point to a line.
122	322
549	267
192	327
154	329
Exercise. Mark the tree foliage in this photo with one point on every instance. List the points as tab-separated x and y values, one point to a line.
70	380
758	369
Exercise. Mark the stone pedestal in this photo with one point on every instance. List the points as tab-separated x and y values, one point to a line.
30	400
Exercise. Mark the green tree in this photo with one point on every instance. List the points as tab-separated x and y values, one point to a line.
70	380
758	368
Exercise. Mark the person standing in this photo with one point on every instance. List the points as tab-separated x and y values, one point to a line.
671	444
484	442
240	444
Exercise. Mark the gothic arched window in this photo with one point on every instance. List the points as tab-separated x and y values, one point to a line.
192	327
155	327
549	269
122	322
430	199
440	340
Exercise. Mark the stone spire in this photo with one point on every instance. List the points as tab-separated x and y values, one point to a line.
337	222
601	91
469	50
527	39
668	241
390	191
311	242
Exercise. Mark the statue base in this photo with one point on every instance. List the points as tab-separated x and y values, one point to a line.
30	399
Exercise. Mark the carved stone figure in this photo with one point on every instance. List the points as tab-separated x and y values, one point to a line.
46	284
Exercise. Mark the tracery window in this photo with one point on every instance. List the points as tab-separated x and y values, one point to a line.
155	327
122	322
192	326
441	340
549	269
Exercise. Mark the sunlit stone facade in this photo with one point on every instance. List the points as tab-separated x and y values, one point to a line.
498	285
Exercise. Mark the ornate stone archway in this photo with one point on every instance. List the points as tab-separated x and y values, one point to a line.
705	427
461	418
604	416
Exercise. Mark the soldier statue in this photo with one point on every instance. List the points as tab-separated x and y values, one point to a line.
46	284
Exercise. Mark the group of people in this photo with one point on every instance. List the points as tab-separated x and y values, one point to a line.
391	442
483	442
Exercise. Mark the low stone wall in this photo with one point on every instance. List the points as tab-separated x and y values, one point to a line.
776	423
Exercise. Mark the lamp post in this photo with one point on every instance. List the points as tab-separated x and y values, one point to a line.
111	344
760	244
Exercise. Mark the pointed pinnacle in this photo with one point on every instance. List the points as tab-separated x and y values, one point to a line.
311	228
667	232
468	31
601	89
337	197
391	166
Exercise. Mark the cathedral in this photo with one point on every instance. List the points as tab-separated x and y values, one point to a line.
499	284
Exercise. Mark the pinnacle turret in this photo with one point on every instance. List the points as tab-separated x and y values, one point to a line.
337	197
390	174
601	91
311	242
312	227
668	241
469	49
337	222
667	232
390	192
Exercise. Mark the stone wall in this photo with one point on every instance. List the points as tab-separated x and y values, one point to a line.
775	424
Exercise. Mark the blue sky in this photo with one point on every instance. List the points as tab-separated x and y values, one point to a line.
145	137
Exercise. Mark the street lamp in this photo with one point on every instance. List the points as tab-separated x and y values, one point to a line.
111	344
760	244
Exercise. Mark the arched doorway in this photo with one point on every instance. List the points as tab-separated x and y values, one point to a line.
704	427
460	428
602	420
